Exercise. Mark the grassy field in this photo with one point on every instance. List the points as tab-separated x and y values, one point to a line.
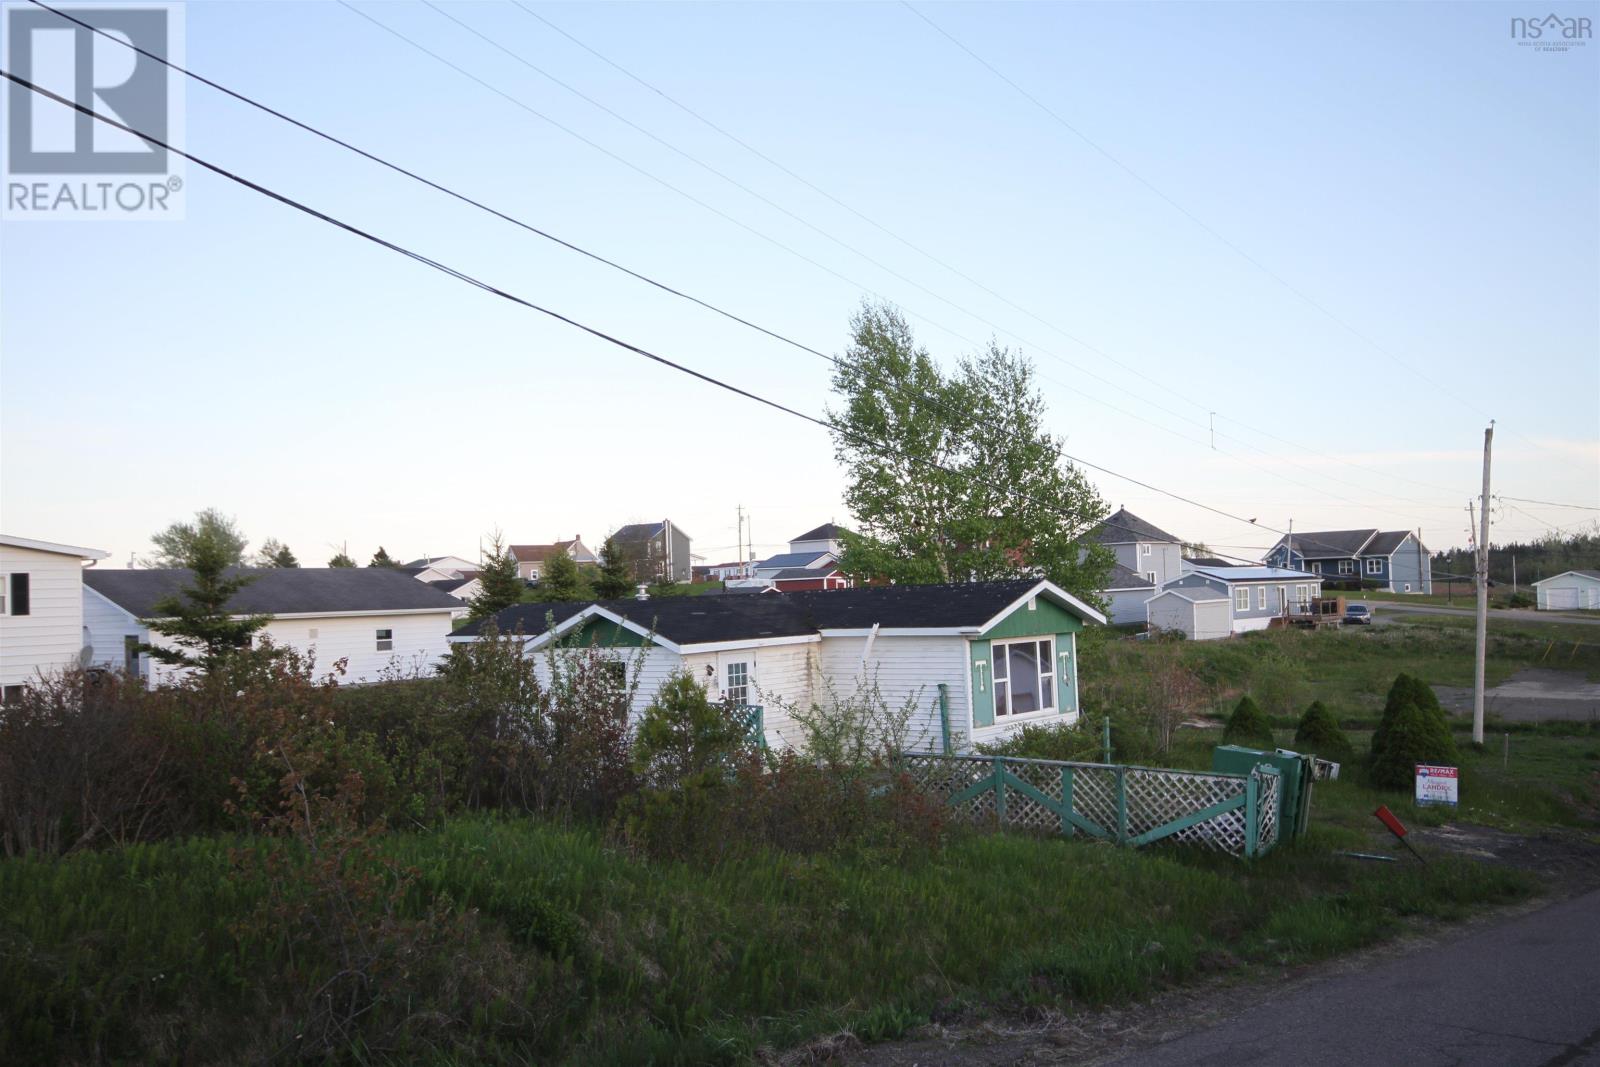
577	952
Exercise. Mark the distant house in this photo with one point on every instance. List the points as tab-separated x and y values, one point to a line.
812	563
1212	602
1126	596
659	551
1394	560
1568	591
825	538
531	558
991	655
1141	547
465	588
721	572
436	568
370	617
41	610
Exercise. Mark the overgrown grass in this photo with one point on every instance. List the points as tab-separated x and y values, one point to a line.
147	953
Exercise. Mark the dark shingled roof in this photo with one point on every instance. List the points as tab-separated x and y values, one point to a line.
1385	543
636	531
278	591
1124	527
1123	578
789	574
826	532
1206	561
450	585
1329	544
700	619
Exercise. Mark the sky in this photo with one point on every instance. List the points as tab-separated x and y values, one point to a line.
1285	261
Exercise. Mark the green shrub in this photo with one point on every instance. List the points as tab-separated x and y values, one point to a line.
1412	738
1319	732
1411	691
1247	726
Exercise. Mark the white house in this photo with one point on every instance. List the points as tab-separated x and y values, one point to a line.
1212	602
1568	591
41	609
981	658
1143	548
372	618
438	568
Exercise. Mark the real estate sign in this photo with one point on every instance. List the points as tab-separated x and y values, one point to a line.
1438	785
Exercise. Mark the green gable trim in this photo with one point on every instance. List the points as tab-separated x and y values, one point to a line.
1047	618
981	671
602	633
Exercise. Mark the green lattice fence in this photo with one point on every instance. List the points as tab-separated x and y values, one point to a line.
1134	806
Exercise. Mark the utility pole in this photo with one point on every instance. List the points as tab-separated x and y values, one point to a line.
1513	574
738	550
1213	431
1424	578
1483	592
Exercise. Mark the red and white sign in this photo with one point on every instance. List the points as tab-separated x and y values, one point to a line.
1438	785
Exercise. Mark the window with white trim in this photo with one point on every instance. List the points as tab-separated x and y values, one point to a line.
1150	576
1302	596
1241	598
1261	598
1347	566
1375	566
737	690
1024	676
385	640
18	595
1316	568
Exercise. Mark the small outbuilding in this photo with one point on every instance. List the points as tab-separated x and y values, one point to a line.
1569	591
1200	614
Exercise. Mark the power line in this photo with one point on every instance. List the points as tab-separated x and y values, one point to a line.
1246	256
487	287
1550	503
496	213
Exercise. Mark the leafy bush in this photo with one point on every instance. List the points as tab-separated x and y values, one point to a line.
1319	732
1247	726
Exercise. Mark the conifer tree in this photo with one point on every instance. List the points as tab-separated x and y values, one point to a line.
197	619
502	585
560	580
616	572
381	558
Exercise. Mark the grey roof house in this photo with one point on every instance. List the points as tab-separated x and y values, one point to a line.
1395	560
659	551
1214	602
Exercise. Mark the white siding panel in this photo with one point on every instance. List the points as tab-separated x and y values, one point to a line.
109	626
654	666
904	668
49	638
1128	607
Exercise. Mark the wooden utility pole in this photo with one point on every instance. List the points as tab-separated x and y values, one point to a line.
1424	578
1483	592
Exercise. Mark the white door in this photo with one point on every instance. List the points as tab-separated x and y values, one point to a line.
1559	599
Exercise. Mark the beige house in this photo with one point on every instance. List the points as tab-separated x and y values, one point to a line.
531	558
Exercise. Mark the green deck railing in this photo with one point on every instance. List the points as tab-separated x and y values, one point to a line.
1127	805
754	719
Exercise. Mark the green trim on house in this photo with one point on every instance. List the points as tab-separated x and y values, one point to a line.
603	633
981	670
1046	618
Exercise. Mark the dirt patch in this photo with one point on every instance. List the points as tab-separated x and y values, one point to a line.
1535	694
1569	862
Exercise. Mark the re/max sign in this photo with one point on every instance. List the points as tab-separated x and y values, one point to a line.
1534	29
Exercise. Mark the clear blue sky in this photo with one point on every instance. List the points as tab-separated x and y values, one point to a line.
1405	166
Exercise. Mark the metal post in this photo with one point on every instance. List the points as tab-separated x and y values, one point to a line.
999	793
1067	828
944	715
1108	738
1122	805
1252	814
1483	594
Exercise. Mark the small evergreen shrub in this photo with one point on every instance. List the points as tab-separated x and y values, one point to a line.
1319	732
1411	690
1414	730
1247	726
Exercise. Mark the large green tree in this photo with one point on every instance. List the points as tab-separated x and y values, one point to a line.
502	585
953	475
198	621
211	532
616	577
560	579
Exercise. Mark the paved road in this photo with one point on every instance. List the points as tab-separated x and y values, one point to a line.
1385	607
1525	993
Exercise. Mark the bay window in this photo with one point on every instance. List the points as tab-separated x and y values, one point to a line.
1024	676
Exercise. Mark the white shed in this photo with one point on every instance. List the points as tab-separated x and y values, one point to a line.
41	609
1569	591
1201	614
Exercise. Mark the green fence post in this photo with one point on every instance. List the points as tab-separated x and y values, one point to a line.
999	793
1067	829
1122	804
1108	739
944	715
1252	815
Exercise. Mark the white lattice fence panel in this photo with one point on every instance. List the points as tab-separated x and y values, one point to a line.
1094	795
1267	805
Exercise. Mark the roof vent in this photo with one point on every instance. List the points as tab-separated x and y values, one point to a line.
643	593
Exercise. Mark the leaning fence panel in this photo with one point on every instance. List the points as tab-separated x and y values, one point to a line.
1236	814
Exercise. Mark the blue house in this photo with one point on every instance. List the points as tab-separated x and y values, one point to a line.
1394	560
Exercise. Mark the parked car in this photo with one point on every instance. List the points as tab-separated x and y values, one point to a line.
1357	615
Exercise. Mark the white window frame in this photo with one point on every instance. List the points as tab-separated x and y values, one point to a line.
1316	567
1302	596
1241	598
741	687
1144	550
384	644
1261	598
1374	565
1347	566
1000	674
1283	599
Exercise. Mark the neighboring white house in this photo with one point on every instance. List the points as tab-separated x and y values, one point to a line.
1212	602
464	589
1141	547
1568	591
372	618
438	568
41	609
995	654
825	538
1126	596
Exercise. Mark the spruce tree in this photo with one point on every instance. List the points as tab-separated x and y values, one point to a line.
1247	726
1319	733
381	558
502	585
341	559
197	618
616	572
560	580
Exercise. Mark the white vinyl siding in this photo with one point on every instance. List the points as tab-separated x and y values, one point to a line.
904	669
49	637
